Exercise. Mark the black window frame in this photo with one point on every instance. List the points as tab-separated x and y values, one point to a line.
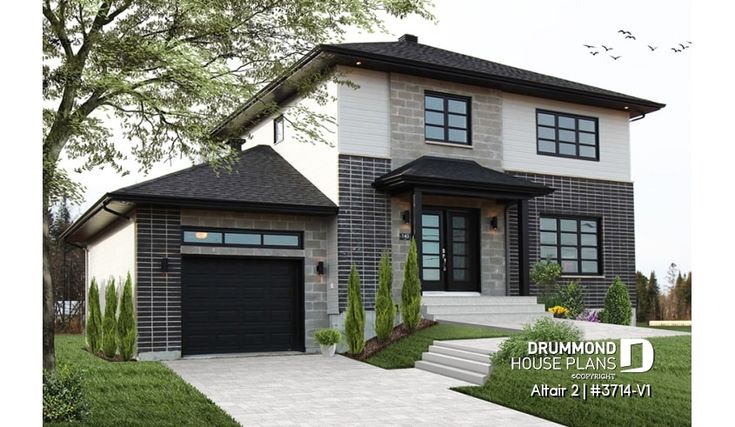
446	97
298	234
579	246
278	121
577	131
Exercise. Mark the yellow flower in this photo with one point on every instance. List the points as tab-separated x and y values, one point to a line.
558	310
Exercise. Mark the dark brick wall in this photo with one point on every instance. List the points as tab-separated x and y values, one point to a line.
158	294
363	224
609	200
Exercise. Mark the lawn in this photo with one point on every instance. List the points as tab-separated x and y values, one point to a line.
405	352
670	404
136	393
670	328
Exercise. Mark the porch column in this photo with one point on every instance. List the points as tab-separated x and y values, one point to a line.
523	276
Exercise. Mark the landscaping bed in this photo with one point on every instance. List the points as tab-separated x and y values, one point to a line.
670	380
373	346
407	349
135	393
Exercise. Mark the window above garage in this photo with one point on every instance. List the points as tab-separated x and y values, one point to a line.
243	238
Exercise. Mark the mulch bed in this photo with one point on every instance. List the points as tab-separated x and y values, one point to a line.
372	345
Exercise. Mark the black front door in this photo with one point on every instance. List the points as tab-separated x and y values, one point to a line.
450	250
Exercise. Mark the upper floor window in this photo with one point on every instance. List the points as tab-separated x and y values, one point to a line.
447	118
572	242
567	135
278	130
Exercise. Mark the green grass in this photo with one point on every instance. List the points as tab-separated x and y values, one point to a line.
405	352
670	328
670	404
136	393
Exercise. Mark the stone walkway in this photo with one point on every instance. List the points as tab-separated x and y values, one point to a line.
314	390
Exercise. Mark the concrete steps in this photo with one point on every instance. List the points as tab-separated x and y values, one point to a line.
470	366
483	310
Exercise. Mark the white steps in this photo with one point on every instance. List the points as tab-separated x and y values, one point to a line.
483	310
466	365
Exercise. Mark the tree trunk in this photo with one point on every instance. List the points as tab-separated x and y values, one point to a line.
49	355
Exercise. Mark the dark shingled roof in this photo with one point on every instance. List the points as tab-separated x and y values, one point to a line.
431	172
429	55
260	176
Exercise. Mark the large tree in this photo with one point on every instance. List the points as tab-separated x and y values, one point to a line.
167	70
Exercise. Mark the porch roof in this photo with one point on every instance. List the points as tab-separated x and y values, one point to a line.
458	177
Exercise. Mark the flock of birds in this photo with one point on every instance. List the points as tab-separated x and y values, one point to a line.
594	50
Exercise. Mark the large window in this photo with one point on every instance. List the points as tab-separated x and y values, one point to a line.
572	242
567	135
447	118
247	238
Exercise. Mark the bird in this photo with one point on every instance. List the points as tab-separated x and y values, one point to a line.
623	32
688	42
652	47
589	46
606	48
615	57
630	37
594	53
675	50
683	47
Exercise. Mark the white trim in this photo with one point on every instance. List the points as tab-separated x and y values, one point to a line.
451	144
449	294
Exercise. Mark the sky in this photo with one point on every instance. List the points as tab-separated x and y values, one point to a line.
548	37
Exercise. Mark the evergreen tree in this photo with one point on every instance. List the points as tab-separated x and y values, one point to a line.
94	318
385	310
654	298
355	315
618	309
109	321
643	302
411	291
126	328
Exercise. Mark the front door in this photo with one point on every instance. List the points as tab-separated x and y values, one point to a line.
450	250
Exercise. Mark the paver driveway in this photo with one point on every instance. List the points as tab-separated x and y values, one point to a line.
314	390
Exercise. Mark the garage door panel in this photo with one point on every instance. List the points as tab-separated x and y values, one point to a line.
241	305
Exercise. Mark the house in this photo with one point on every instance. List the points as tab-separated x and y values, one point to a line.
488	166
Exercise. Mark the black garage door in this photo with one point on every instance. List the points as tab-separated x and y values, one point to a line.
240	305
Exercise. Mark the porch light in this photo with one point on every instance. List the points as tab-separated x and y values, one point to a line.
494	223
406	216
201	235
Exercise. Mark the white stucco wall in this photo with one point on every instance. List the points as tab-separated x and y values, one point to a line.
519	140
317	160
112	254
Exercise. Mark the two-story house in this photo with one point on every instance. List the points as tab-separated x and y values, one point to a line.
489	167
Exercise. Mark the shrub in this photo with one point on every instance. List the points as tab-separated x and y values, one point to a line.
94	318
545	274
355	316
618	309
411	291
385	310
327	336
544	329
126	328
109	321
63	395
573	299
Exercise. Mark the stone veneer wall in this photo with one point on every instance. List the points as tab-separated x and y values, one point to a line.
492	242
609	200
408	141
158	294
362	224
315	230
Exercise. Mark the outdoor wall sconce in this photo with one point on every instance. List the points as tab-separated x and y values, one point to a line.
320	267
164	265
494	223
406	216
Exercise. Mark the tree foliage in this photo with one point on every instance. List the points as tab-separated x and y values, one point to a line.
411	290
618	309
572	296
643	305
385	309
654	298
94	318
109	321
126	325
355	315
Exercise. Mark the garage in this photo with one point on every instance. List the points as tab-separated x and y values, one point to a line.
241	305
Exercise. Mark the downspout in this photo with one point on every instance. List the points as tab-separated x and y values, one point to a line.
638	117
106	209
